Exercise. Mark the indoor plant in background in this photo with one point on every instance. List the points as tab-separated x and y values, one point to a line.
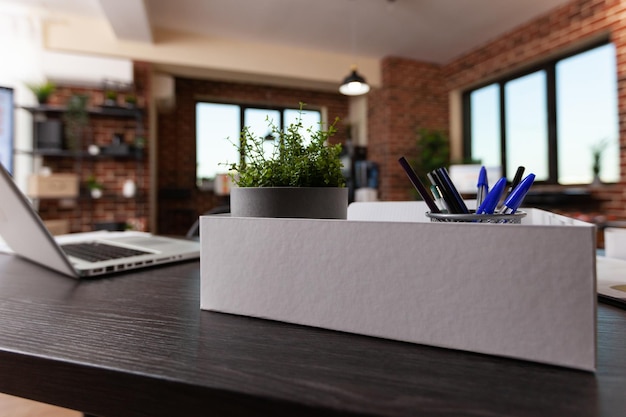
300	178
110	98
75	120
94	186
42	91
597	150
433	151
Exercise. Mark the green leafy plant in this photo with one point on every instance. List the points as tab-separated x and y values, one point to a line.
42	91
597	150
75	119
293	162
131	100
433	151
93	183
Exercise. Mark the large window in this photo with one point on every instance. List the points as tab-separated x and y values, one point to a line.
551	119
217	133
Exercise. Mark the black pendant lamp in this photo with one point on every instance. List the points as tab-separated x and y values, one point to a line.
354	84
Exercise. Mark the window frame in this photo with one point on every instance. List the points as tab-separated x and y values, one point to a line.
243	106
549	66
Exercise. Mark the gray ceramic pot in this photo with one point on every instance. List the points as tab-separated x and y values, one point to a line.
302	202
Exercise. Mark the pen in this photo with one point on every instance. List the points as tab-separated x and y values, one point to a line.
493	197
517	178
482	186
417	183
450	202
438	199
449	185
514	200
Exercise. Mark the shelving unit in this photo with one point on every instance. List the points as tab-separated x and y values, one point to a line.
110	147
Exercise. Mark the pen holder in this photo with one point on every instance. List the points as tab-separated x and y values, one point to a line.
515	218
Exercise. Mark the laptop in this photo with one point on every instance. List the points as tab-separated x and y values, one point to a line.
85	255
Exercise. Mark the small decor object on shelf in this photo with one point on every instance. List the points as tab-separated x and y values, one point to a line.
110	98
42	91
118	146
94	186
302	177
131	101
93	150
596	152
129	189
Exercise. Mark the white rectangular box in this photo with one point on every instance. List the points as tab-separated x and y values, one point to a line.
615	242
522	291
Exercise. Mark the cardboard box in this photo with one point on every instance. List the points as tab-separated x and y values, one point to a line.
57	227
53	186
522	291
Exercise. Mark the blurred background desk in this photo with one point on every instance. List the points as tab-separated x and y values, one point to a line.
138	345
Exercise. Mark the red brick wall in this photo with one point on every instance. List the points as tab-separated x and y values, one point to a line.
571	26
413	96
180	202
84	213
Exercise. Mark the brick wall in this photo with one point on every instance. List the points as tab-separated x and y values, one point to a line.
83	213
180	202
571	26
415	94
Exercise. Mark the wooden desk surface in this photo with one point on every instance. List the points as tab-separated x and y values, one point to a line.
139	345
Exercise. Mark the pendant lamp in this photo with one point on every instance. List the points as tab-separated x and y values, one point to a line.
354	84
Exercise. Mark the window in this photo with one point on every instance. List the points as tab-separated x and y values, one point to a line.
6	128
549	119
218	126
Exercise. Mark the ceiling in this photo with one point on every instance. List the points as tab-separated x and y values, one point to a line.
426	30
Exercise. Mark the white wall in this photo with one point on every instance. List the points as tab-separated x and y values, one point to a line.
25	61
20	49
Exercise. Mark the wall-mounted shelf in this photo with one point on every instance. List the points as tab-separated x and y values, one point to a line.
112	111
134	154
109	146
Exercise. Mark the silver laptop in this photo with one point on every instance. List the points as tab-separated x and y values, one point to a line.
24	232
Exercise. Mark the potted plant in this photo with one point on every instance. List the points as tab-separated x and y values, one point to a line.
131	101
75	119
597	150
42	91
299	179
110	98
94	186
433	151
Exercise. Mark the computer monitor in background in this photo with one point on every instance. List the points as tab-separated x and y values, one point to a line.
465	177
6	128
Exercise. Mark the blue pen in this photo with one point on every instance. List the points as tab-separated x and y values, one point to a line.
491	200
514	200
482	186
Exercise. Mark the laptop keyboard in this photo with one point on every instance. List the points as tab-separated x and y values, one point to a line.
97	251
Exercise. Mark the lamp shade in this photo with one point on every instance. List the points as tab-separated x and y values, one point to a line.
354	84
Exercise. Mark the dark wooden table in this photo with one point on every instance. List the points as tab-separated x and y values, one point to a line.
139	345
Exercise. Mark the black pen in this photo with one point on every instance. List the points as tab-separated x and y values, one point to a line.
516	179
417	183
451	203
445	177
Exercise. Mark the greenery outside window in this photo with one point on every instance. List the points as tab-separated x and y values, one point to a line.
550	119
218	126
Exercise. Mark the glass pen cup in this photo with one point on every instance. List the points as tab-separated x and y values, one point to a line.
472	217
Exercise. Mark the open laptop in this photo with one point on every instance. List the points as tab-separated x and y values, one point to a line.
24	232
